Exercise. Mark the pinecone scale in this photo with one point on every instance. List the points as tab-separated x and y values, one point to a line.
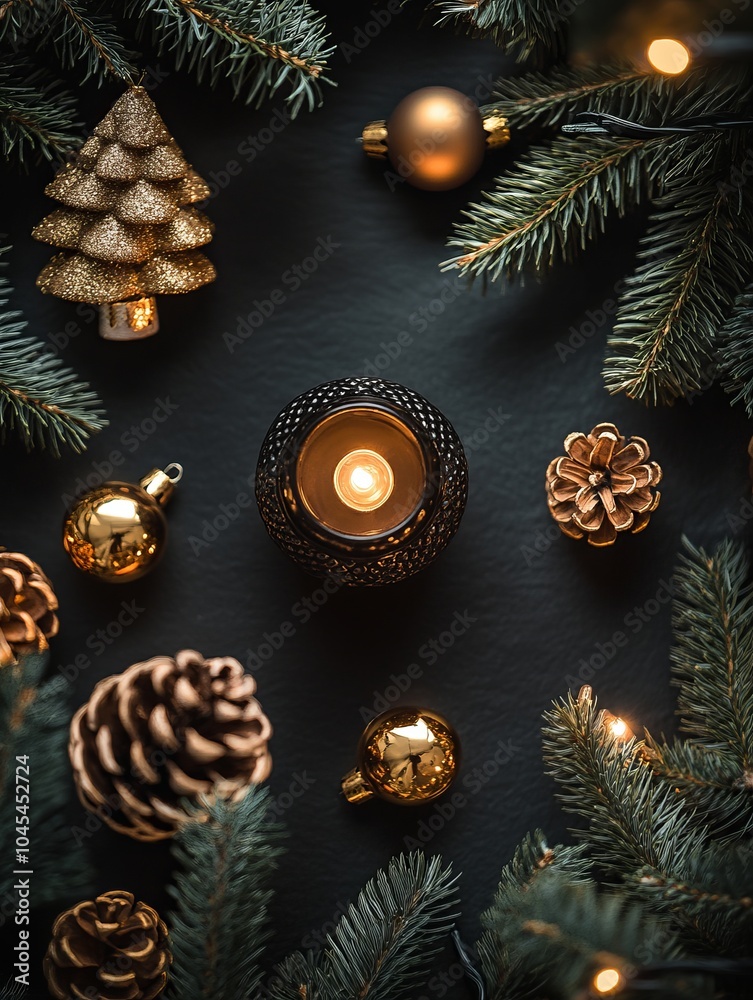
27	607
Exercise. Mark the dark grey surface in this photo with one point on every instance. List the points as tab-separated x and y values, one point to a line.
540	603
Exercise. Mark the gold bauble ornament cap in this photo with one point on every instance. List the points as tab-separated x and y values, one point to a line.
436	138
409	756
118	532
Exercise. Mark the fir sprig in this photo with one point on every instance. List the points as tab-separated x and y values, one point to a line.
383	946
736	350
536	99
42	400
37	116
220	925
506	974
694	261
34	723
257	46
84	37
551	205
712	659
561	932
519	26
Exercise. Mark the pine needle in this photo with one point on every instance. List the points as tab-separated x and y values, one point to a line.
736	351
713	654
550	206
220	926
256	45
520	26
383	946
695	260
34	721
37	115
40	399
83	37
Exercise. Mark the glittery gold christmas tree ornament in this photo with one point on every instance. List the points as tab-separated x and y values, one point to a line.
127	230
603	486
408	756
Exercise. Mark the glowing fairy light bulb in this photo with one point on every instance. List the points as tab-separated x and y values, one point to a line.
607	981
668	55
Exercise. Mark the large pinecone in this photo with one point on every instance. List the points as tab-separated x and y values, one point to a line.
165	730
604	485
27	607
112	948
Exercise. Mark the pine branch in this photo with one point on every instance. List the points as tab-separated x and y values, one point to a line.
382	947
298	977
40	399
506	976
610	787
712	659
83	38
716	891
638	827
519	26
34	721
562	932
711	783
736	351
543	100
20	20
258	46
696	258
37	116
220	925
555	201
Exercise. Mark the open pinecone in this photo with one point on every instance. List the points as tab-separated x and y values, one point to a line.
27	607
604	485
164	730
112	948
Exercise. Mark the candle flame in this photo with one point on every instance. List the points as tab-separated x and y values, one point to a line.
364	480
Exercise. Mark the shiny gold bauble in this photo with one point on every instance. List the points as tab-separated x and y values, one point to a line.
409	756
436	138
118	532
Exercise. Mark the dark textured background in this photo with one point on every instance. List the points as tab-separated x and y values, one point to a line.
540	605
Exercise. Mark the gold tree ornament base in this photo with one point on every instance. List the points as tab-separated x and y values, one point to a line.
132	320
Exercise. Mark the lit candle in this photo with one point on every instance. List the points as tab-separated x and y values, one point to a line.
359	473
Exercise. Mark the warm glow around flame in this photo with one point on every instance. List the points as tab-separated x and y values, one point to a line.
364	480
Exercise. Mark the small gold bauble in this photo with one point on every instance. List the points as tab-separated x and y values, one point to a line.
409	756
118	531
436	138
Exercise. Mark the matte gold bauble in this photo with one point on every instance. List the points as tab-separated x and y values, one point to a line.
409	756
118	531
436	138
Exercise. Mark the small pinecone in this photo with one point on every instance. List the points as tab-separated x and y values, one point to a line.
164	730
112	948
27	607
604	485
